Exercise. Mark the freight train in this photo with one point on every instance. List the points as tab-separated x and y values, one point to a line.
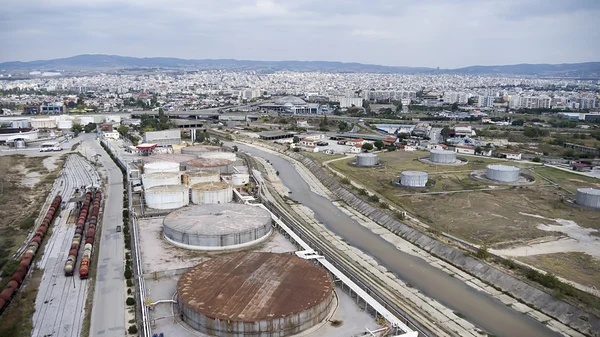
27	259
86	223
90	238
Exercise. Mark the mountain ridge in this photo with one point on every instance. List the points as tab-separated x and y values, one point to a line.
115	62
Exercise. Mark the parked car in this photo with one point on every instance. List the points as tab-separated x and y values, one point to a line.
118	228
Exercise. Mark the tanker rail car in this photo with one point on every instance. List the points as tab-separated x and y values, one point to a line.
77	237
18	276
90	238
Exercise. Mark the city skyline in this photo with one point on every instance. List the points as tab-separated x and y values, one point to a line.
393	33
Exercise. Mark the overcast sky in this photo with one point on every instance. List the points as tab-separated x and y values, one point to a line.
431	33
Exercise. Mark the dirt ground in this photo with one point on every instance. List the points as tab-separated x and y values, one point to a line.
578	267
25	184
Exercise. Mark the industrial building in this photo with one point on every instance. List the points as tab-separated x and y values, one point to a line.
211	193
588	197
503	173
167	197
163	138
217	226
219	296
367	160
414	179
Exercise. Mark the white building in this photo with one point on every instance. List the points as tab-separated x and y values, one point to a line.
347	102
111	135
317	136
356	149
302	124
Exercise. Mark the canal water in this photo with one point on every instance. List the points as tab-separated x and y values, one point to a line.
479	308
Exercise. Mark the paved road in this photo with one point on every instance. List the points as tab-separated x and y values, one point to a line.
108	309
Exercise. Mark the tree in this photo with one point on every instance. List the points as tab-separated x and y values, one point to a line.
454	106
235	148
343	126
123	130
90	127
445	132
398	105
77	129
379	144
367	146
200	137
296	140
366	105
478	150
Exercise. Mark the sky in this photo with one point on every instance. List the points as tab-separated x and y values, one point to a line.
428	33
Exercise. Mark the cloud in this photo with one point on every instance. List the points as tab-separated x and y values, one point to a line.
392	32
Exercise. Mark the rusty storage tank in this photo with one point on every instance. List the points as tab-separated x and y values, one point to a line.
442	157
201	176
367	160
219	296
217	226
588	197
215	164
211	193
503	173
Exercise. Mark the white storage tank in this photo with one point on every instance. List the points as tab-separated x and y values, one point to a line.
167	197
503	173
414	178
212	193
161	178
588	197
161	166
442	157
221	165
239	179
367	160
218	155
64	124
201	176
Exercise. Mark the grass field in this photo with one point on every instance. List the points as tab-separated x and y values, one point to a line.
493	217
321	157
578	267
567	180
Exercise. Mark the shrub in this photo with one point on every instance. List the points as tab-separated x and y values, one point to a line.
536	160
128	273
130	301
345	181
132	329
362	191
129	283
374	198
128	290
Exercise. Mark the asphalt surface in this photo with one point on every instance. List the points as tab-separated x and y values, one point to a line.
108	309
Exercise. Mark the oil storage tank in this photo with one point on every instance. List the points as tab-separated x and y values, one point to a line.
414	178
218	155
167	196
367	160
211	193
219	296
503	173
239	179
217	226
196	150
588	197
221	165
161	178
161	166
201	176
442	157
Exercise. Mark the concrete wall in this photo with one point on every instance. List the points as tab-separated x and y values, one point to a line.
546	303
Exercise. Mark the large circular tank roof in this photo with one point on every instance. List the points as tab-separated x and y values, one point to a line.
208	162
252	287
217	219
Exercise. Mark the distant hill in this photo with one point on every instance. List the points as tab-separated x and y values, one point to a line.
113	62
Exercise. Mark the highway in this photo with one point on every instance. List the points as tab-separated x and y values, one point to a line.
482	310
108	309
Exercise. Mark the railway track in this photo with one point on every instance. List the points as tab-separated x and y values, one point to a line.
61	300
